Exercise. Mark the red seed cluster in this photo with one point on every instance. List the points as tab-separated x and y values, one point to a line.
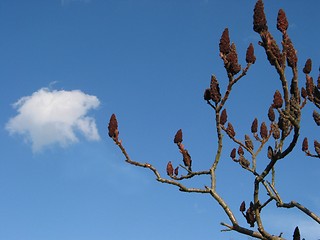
250	57
254	126
233	66
178	137
224	45
305	144
282	22
113	127
259	18
277	100
292	58
263	130
230	130
215	89
223	117
308	66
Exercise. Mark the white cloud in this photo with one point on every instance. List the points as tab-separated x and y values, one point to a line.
54	117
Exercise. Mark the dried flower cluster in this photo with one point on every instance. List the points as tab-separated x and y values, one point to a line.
224	45
113	127
308	66
249	215
250	57
259	18
277	100
282	22
186	158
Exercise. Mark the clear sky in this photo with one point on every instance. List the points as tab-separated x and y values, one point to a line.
67	65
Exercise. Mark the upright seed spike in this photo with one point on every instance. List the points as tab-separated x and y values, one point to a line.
223	117
113	127
178	137
282	22
243	206
296	234
230	130
254	126
305	145
259	18
277	100
215	89
308	66
224	45
169	169
250	57
263	130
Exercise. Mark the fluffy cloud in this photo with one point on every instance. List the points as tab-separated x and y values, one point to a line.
54	117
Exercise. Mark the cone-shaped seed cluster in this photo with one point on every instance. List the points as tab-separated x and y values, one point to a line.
277	100
223	117
316	117
254	126
113	127
259	18
308	66
178	137
305	145
169	169
296	234
282	22
250	57
186	158
224	45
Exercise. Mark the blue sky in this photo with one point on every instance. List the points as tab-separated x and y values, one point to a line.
149	62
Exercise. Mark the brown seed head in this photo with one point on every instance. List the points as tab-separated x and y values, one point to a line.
270	152
207	94
316	117
250	57
215	89
254	126
291	54
282	22
309	85
308	66
187	159
240	150
223	117
230	130
169	169
259	18
243	206
176	171
296	234
271	114
113	127
233	66
244	162
277	100
224	45
178	137
305	145
263	130
304	93
233	153
316	145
